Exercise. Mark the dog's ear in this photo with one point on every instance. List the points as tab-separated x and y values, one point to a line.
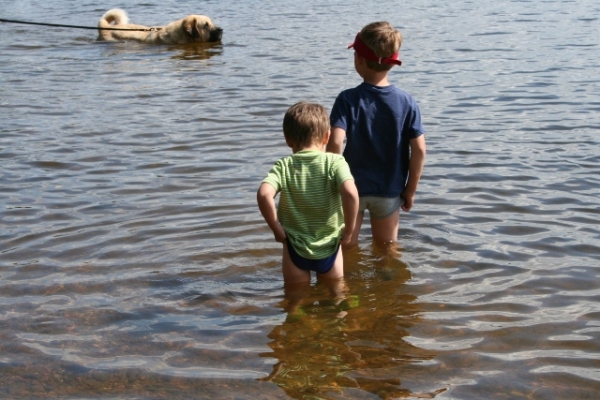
190	25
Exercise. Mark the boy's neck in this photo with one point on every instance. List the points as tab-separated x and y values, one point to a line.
376	78
312	147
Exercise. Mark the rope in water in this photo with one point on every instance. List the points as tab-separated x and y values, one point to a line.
73	26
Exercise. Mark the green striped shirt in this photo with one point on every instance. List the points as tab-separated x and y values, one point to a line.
310	205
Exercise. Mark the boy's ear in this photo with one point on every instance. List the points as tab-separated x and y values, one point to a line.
327	136
289	144
359	59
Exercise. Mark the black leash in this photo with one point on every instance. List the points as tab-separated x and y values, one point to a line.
75	26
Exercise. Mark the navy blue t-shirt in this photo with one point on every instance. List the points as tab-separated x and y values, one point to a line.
379	123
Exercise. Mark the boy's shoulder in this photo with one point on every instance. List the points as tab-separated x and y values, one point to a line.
336	161
322	157
309	156
282	163
335	156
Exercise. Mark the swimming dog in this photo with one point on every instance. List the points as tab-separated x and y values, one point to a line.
191	29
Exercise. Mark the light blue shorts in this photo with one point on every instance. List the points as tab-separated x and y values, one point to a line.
380	207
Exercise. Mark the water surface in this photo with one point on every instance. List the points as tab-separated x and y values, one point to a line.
134	262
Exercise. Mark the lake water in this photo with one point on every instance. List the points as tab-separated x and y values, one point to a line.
134	262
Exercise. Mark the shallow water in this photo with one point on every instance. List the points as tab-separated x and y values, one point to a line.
134	262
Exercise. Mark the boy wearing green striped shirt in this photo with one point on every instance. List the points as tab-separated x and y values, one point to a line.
318	201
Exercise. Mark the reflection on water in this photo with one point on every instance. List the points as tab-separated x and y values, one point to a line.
336	339
187	52
196	51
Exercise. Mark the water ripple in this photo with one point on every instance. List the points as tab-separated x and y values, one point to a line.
134	262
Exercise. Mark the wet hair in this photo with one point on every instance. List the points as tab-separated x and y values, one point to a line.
305	123
383	39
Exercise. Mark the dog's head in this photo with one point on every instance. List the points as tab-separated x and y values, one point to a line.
201	29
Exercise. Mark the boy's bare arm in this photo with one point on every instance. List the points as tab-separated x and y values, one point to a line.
415	169
350	205
266	204
336	140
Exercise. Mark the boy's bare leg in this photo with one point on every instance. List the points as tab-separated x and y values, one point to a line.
334	279
337	287
294	294
385	230
291	273
337	271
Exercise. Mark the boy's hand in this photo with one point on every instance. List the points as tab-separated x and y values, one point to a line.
266	203
349	195
409	199
346	236
415	169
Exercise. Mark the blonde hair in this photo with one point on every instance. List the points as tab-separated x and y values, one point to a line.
383	39
305	123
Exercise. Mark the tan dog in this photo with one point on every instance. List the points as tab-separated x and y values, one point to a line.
191	29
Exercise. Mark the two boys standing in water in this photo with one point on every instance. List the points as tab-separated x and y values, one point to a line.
323	195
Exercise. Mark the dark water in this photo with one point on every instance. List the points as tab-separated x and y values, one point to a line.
134	262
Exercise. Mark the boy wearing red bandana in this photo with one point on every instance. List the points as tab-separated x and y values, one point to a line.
384	136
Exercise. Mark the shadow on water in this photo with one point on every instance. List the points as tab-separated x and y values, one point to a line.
187	52
343	342
196	51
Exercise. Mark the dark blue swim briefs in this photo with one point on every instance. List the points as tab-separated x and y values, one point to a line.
321	266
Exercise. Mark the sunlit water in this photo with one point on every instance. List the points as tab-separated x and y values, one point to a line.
134	262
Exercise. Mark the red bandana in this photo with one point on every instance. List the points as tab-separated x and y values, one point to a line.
368	54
